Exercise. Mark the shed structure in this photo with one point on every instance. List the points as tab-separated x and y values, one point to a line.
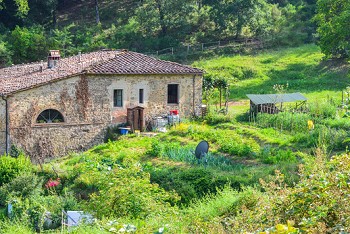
267	103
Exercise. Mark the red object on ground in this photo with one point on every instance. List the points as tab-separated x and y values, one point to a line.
174	112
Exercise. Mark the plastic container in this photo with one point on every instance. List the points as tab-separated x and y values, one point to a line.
160	122
124	131
173	119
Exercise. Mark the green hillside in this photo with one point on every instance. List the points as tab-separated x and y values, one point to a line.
303	69
275	174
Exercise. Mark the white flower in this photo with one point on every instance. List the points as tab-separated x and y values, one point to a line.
161	230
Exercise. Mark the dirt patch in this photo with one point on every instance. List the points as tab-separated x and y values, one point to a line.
238	103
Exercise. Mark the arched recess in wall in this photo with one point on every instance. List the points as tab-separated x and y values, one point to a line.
50	116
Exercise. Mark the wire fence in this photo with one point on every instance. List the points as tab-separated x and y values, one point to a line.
200	47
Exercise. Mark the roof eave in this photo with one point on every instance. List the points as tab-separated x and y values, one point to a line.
110	74
41	84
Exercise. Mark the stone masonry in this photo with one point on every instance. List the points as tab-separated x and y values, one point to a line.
81	88
86	102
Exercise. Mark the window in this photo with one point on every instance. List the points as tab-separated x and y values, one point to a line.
141	96
50	116
118	98
173	93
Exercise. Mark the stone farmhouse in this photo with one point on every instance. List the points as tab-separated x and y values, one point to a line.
64	105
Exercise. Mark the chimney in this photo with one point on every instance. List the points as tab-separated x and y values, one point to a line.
53	57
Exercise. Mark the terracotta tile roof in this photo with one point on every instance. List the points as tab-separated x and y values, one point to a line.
21	77
136	63
26	76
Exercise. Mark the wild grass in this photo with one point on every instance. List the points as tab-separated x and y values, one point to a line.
303	68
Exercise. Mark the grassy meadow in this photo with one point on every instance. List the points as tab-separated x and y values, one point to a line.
302	68
273	175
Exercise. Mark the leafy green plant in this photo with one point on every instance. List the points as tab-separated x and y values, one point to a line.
24	186
271	155
12	167
127	192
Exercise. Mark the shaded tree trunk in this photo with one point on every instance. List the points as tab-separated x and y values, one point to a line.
97	12
161	18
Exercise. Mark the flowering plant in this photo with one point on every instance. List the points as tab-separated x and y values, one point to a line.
52	183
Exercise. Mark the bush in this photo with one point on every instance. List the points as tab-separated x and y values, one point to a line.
156	149
24	186
323	109
11	167
196	182
111	133
216	118
127	192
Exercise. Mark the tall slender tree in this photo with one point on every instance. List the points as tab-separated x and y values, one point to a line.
97	12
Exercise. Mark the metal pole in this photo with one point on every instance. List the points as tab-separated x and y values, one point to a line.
7	140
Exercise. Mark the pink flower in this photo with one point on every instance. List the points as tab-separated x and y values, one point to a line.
52	183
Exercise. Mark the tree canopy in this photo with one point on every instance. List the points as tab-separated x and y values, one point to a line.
333	20
149	25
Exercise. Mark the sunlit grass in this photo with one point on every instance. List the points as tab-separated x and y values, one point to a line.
302	68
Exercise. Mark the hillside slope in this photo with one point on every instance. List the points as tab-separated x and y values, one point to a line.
302	68
83	12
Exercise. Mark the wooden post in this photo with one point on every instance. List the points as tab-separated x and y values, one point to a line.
202	46
172	50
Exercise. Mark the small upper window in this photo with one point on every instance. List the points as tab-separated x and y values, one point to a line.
140	96
173	93
118	98
50	116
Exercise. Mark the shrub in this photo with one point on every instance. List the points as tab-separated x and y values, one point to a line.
319	204
216	118
12	167
156	149
323	110
111	134
24	186
127	192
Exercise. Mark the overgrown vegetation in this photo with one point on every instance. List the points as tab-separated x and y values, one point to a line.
279	173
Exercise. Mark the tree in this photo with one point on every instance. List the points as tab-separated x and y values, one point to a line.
28	44
22	7
97	12
62	39
165	20
333	20
5	55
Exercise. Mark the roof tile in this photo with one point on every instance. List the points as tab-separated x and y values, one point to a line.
26	76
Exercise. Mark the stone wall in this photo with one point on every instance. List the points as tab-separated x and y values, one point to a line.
86	102
2	126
